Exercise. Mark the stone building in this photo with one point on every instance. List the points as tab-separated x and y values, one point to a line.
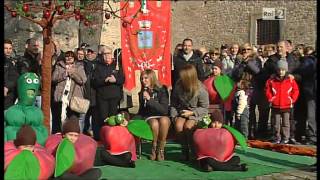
208	23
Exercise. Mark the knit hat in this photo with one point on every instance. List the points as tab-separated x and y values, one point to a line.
216	115
218	63
71	125
25	136
282	64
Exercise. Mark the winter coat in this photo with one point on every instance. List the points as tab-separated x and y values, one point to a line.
198	104
270	66
250	66
157	105
229	63
11	76
107	90
89	91
307	72
282	94
29	63
59	78
179	62
240	101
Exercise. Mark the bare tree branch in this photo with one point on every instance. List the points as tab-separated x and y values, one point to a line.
61	17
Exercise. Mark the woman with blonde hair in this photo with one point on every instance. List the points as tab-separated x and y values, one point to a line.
189	104
154	100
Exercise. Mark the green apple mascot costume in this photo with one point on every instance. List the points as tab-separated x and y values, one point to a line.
25	112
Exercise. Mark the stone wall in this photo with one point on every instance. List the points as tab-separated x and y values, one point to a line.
212	23
19	30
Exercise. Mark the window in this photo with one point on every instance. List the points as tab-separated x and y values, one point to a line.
268	31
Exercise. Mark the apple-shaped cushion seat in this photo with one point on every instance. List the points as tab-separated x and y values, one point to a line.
118	140
215	143
45	159
85	151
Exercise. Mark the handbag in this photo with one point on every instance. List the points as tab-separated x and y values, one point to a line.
79	104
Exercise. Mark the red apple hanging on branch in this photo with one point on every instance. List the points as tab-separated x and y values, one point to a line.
77	11
46	14
67	5
107	15
77	17
59	10
14	13
25	7
86	23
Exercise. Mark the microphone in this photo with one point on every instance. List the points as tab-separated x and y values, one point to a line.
145	100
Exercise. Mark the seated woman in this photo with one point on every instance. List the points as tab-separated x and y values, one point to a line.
154	100
215	147
26	140
119	144
189	104
85	151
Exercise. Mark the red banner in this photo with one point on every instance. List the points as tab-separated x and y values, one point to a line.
145	39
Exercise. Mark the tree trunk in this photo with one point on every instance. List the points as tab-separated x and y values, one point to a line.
46	75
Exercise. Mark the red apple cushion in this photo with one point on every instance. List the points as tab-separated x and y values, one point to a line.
213	94
214	97
46	160
215	143
118	140
85	148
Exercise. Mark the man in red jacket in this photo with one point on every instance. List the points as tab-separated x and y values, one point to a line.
282	92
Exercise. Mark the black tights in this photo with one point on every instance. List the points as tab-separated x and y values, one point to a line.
91	174
122	160
231	165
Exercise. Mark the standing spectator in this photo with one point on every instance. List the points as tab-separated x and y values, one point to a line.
306	105
189	104
215	54
69	78
10	75
58	54
282	92
108	82
89	92
289	46
207	64
80	59
154	100
232	60
187	56
250	70
31	59
241	107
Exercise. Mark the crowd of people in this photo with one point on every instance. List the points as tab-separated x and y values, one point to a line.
274	82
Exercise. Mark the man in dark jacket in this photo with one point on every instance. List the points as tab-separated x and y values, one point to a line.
89	92
187	56
30	62
10	75
108	81
306	105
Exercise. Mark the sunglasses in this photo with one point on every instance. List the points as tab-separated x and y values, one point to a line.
247	49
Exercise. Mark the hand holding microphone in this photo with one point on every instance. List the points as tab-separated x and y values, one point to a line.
146	96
